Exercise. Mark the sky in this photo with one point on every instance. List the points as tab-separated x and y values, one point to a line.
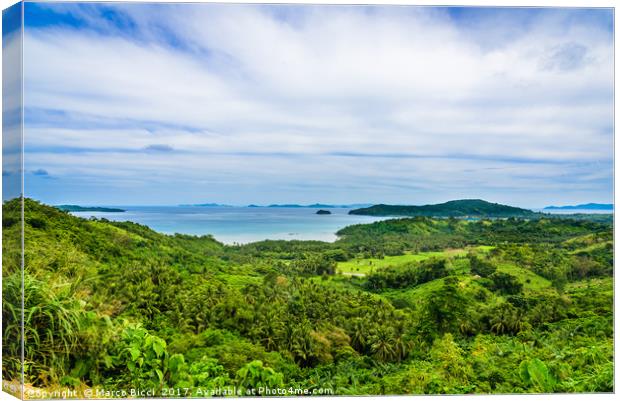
11	103
161	104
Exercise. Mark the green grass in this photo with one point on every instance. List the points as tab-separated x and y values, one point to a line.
365	266
361	267
415	295
485	248
530	280
467	282
239	281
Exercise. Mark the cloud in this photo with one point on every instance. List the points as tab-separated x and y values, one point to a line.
159	148
376	98
40	172
11	103
567	57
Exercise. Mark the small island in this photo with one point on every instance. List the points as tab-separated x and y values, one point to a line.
76	208
205	205
323	211
587	206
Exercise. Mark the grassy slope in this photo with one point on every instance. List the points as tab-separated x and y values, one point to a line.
360	267
532	283
368	265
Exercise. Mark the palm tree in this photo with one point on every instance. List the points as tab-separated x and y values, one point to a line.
383	345
508	319
358	335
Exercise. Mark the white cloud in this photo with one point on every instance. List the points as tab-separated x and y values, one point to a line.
324	81
11	116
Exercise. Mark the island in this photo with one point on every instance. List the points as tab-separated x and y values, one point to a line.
206	205
586	206
317	205
76	208
455	208
322	211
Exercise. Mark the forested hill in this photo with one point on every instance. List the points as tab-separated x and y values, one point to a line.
455	208
402	306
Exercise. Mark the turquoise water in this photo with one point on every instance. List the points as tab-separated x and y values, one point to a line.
239	224
246	224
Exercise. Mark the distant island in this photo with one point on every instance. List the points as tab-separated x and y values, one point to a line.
285	205
320	206
207	205
455	208
585	206
322	211
76	208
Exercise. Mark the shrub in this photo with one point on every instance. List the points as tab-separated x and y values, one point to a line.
480	267
505	283
144	358
254	375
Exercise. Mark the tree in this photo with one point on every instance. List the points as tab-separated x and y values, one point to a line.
448	356
505	283
507	319
442	309
383	345
480	267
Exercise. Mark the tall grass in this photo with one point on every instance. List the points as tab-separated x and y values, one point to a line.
52	321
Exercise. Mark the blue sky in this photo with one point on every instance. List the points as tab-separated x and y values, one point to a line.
187	103
11	102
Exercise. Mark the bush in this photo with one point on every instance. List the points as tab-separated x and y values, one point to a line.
407	275
254	376
505	283
480	267
314	265
143	357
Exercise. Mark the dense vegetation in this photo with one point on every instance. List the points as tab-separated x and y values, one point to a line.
489	306
455	208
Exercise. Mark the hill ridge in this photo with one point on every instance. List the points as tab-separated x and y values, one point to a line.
453	208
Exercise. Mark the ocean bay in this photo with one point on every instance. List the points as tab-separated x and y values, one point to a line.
240	225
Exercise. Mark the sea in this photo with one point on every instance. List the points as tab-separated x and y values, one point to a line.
242	225
239	225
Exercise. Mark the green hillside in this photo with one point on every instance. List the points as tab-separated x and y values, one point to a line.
455	208
449	306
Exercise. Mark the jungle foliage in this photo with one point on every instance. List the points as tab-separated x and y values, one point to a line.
117	305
